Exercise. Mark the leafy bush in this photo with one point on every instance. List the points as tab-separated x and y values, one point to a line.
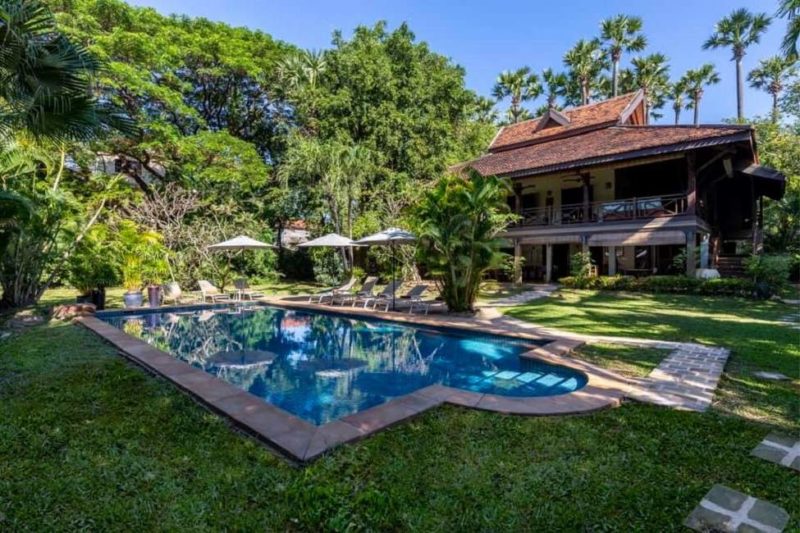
770	273
665	284
91	266
580	265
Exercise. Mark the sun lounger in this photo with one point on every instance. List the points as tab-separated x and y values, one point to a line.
244	291
211	293
364	292
331	293
412	298
384	297
172	292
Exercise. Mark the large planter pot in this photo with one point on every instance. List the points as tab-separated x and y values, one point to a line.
154	295
133	299
98	298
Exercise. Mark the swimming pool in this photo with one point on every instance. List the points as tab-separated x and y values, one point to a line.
321	367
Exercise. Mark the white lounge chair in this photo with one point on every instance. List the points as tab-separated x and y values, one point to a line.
364	292
413	297
244	291
331	293
211	293
172	292
384	297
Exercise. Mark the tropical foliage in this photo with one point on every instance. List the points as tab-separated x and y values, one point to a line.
458	223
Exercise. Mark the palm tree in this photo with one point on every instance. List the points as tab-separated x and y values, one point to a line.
739	30
621	34
521	85
303	69
46	79
650	74
677	93
585	61
483	110
696	81
556	86
790	10
770	75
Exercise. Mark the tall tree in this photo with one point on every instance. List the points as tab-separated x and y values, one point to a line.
696	81
46	78
621	34
738	31
790	10
651	75
585	61
521	86
677	94
771	75
555	86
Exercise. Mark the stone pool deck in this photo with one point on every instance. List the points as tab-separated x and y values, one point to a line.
303	442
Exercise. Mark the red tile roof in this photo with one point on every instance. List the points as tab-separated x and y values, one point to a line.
592	116
602	145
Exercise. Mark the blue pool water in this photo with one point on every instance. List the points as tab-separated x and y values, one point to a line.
321	367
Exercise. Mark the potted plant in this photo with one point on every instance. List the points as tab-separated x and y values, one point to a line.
142	259
155	269
91	269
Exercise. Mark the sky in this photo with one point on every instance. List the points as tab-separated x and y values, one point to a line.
488	37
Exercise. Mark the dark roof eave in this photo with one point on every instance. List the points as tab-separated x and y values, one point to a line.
635	154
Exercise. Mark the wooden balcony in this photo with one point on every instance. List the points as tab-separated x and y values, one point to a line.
626	209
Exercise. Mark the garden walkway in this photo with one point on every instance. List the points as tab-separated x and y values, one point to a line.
685	379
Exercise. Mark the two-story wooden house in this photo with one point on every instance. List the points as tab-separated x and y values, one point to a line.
597	178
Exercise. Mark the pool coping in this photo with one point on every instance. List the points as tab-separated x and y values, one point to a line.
303	442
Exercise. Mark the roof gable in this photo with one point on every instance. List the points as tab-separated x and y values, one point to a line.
625	109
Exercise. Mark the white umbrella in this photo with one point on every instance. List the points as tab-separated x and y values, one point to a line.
241	242
389	237
331	240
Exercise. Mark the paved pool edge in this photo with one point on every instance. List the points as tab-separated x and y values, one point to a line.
304	442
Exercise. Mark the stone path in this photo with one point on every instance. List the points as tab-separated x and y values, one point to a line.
685	379
779	449
539	291
724	509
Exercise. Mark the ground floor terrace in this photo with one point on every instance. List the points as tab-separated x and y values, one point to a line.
91	440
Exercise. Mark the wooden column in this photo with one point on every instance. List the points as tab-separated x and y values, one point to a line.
517	262
691	186
612	260
518	198
548	268
585	181
690	258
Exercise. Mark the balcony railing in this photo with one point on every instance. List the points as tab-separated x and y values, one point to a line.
607	211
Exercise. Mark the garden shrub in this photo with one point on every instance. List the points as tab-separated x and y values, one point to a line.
665	284
770	273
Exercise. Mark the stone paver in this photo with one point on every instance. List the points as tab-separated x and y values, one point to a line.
685	379
724	509
540	291
780	449
771	376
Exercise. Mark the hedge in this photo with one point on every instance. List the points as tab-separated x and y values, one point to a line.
665	284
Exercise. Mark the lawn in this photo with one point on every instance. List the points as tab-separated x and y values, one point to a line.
89	441
752	330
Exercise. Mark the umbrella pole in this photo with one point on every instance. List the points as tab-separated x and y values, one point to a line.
393	283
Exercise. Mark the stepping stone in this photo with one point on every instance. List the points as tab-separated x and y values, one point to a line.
772	376
779	449
724	509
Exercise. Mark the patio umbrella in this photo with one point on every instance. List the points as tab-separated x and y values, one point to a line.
331	240
389	237
242	242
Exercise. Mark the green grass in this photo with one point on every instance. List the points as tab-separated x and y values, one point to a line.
89	441
626	360
750	329
64	295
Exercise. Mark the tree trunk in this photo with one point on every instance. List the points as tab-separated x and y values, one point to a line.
697	112
615	78
774	107
677	115
739	89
